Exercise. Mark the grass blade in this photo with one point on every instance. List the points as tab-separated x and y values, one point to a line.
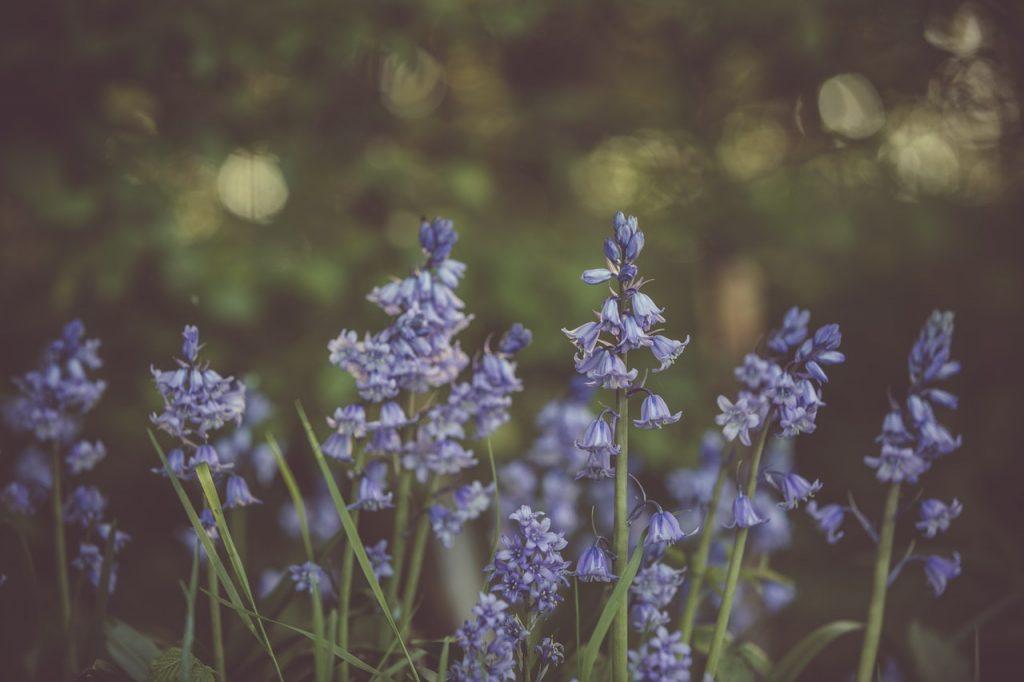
576	599
213	500
130	649
190	618
103	591
442	666
794	662
611	607
334	648
213	557
296	495
353	535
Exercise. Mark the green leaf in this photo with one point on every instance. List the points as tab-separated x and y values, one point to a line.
755	657
296	495
167	667
213	501
497	501
794	662
934	657
353	535
734	668
604	621
442	666
130	649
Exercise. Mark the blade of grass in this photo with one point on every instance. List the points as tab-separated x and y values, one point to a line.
190	618
576	599
319	664
497	501
213	499
353	534
294	492
103	592
216	626
213	557
332	636
334	648
442	666
611	607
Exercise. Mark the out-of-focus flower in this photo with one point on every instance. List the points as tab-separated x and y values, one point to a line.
939	570
829	519
936	515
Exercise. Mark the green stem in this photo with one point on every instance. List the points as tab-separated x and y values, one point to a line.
419	548
216	631
345	588
620	627
399	535
736	560
699	562
876	609
63	585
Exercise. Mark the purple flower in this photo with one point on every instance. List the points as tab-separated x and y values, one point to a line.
939	571
829	519
654	413
349	421
380	559
664	527
373	494
529	568
209	524
515	339
90	561
17	498
743	513
595	565
666	350
83	456
306	575
550	652
936	515
737	418
662	658
792	332
84	506
596	276
793	487
599	437
896	464
338	446
238	494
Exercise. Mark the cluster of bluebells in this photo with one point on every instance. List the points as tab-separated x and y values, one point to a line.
661	658
51	403
628	320
525	578
912	439
197	402
415	353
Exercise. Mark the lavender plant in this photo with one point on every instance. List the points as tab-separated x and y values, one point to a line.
51	404
628	321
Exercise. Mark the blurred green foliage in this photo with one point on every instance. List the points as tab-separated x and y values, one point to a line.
255	169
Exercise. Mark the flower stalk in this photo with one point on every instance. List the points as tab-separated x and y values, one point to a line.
399	534
876	607
699	562
620	631
63	586
735	560
419	547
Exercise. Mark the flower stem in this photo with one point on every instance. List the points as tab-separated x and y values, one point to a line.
620	627
736	560
404	494
63	586
699	562
876	609
419	548
216	631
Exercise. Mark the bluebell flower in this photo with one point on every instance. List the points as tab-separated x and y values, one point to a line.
776	595
586	336
595	565
644	617
821	349
437	238
392	416
896	465
792	332
446	524
515	339
644	309
489	641
380	559
338	446
473	499
664	527
632	335
654	413
549	652
798	414
349	421
529	567
373	494
793	487
743	513
829	519
936	515
599	437
17	498
90	562
308	574
755	372
176	463
737	418
930	360
662	658
656	585
606	369
209	524
120	538
598	466
52	398
666	350
197	400
238	494
84	506
207	454
939	571
776	534
84	455
596	275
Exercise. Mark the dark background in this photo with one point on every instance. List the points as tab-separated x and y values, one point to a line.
862	159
